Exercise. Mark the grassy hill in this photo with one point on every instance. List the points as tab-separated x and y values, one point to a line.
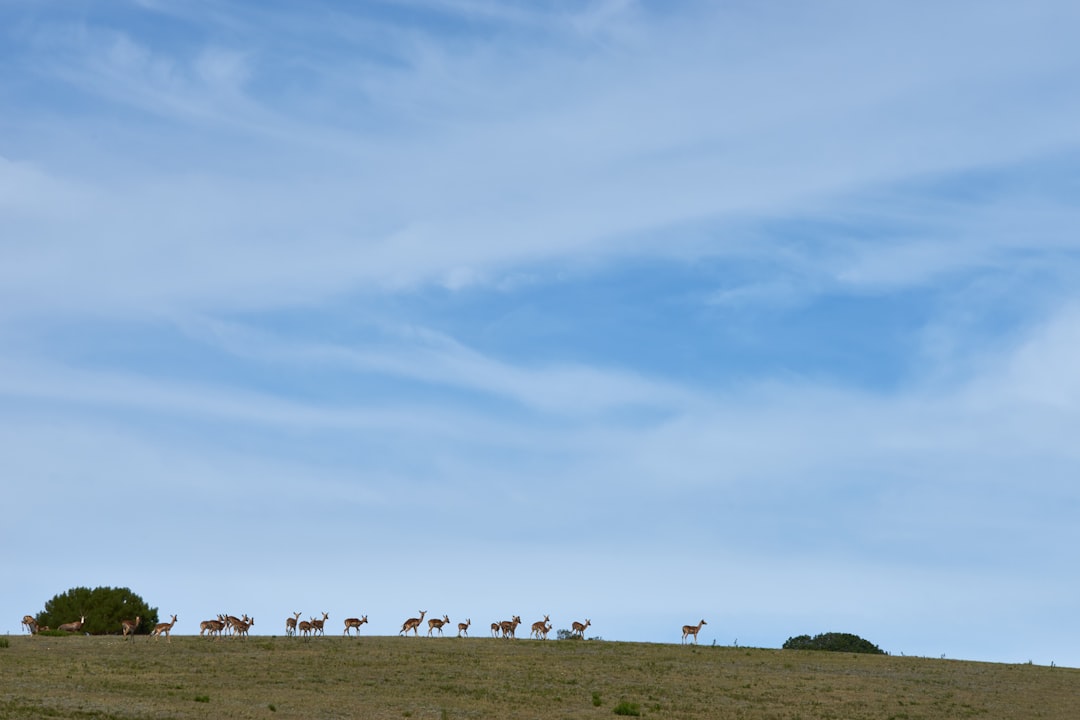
391	677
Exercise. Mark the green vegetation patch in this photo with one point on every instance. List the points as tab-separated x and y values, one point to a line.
833	642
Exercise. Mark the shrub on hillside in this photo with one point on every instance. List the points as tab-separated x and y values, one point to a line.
103	608
833	642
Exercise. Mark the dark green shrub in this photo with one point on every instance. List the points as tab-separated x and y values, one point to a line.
833	642
628	708
103	608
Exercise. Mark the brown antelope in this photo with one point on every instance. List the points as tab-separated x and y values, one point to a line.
545	630
73	626
509	627
290	625
437	624
129	626
538	627
354	623
163	629
231	621
495	627
413	624
305	627
241	627
692	630
317	625
579	629
464	627
211	628
30	624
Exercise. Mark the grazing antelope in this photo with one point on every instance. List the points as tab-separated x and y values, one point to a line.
73	626
290	625
509	627
211	628
163	629
305	627
412	624
692	630
579	629
464	627
30	624
317	625
437	624
495	627
538	627
129	626
354	623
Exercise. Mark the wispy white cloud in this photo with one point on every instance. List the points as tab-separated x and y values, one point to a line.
621	148
423	355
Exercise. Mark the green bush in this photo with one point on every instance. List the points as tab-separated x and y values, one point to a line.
628	708
103	608
833	642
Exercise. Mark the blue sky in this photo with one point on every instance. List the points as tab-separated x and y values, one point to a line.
763	313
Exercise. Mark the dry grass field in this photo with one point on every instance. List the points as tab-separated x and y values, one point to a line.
419	678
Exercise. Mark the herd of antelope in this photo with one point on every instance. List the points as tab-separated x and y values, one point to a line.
230	625
127	627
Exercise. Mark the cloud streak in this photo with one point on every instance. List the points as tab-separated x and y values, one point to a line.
504	181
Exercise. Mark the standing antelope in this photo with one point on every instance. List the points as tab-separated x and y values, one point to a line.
30	624
241	627
692	630
509	627
464	627
495	627
538	627
305	627
317	625
579	629
412	624
211	628
73	626
354	623
437	624
231	622
129	626
163	629
545	630
290	625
